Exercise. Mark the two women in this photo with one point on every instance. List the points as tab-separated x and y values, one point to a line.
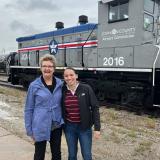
43	117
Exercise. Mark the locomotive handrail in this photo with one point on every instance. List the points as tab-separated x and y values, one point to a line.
154	64
86	42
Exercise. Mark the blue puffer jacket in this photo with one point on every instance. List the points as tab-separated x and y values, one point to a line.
42	108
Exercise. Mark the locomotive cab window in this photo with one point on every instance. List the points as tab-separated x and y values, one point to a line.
149	5
148	22
118	10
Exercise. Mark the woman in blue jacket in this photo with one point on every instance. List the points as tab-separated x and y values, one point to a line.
43	119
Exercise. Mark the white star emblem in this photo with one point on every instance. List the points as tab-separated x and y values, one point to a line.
53	47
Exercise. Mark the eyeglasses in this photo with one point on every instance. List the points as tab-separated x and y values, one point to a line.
50	67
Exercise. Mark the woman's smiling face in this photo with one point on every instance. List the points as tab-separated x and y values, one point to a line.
70	77
47	69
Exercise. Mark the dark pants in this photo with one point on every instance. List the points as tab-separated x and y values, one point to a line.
55	145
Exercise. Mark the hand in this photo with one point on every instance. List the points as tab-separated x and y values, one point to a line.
97	134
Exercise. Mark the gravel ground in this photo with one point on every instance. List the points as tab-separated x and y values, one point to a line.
125	135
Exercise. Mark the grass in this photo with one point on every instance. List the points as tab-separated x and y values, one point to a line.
126	127
150	123
132	134
1	91
115	138
13	92
142	147
110	116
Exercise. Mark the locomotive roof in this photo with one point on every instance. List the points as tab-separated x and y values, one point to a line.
70	30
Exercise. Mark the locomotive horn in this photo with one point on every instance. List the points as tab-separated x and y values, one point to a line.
83	19
59	25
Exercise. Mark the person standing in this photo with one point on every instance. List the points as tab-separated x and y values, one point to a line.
80	111
42	114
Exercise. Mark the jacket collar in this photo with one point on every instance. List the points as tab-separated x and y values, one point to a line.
39	84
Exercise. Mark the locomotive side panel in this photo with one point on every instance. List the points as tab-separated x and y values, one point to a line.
144	56
33	58
74	57
60	58
90	57
24	58
123	30
124	53
116	57
136	29
41	53
117	37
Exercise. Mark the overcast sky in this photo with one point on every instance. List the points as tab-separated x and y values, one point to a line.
26	17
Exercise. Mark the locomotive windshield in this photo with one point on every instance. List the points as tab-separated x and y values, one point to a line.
148	22
118	10
149	5
148	15
151	14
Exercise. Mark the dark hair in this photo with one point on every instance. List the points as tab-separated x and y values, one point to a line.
71	68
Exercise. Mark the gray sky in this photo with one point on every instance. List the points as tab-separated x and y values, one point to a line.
26	17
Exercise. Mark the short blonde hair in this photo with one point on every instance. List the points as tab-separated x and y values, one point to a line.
48	57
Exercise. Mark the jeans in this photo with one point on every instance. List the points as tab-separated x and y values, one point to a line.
73	133
55	145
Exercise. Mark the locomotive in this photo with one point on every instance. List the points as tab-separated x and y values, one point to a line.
119	57
4	63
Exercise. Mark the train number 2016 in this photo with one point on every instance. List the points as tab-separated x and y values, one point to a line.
110	61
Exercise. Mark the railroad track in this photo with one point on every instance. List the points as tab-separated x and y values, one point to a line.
3	74
9	85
